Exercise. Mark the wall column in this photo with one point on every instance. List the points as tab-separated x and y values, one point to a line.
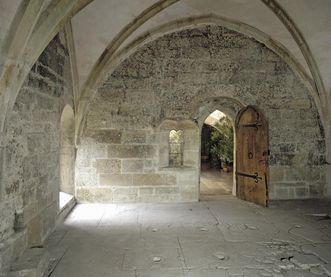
327	188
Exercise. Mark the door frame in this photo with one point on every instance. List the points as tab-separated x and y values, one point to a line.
232	116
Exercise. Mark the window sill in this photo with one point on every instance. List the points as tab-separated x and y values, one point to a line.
177	168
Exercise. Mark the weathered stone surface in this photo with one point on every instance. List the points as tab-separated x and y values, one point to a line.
11	248
30	150
131	151
34	228
174	82
116	180
132	165
191	157
283	192
33	263
123	195
169	190
87	179
93	194
106	136
228	237
178	125
125	190
132	137
146	191
301	192
108	166
192	139
316	189
125	198
153	180
277	174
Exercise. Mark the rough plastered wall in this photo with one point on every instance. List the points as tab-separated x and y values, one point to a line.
30	170
174	82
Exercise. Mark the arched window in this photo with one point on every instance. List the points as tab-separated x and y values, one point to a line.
176	148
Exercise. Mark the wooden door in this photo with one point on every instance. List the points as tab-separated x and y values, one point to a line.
252	156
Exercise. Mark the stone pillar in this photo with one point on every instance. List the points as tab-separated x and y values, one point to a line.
327	188
2	155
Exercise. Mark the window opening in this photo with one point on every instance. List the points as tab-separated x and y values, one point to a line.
176	147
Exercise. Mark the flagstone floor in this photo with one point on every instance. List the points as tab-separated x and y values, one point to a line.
227	237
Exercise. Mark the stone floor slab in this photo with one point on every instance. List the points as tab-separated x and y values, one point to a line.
227	237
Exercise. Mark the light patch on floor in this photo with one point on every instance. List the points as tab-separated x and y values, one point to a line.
64	199
214	183
228	237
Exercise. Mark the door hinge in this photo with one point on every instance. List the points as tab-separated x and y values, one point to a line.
255	125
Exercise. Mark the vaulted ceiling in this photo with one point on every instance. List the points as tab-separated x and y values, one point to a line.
96	25
305	26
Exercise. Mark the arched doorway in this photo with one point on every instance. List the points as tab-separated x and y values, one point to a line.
67	156
252	150
217	148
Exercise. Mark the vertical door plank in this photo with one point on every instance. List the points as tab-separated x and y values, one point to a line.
252	156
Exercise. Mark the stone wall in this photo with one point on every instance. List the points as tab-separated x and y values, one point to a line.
30	170
174	82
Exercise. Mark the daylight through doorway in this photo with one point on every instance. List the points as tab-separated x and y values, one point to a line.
217	142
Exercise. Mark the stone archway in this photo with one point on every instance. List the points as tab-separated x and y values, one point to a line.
217	156
229	106
209	64
109	61
67	152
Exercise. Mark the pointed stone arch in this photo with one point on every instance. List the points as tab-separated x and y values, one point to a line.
67	151
108	63
46	24
214	179
227	105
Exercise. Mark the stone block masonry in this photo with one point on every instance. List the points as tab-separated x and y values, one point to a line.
30	169
168	84
126	172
